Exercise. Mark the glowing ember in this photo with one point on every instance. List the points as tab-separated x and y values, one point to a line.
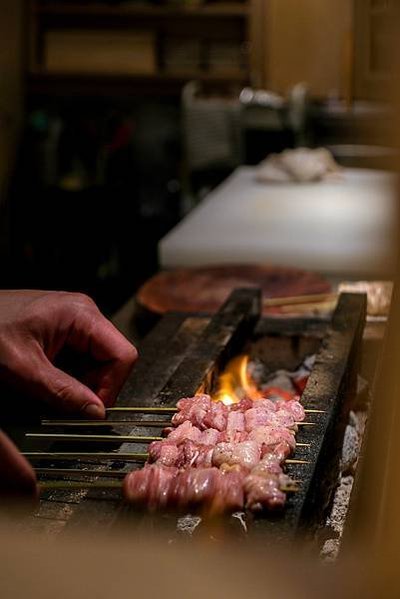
235	383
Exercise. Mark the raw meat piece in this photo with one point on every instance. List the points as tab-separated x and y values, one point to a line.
263	492
271	436
293	407
235	422
161	487
246	454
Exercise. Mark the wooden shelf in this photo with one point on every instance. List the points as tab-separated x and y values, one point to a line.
222	9
83	84
209	23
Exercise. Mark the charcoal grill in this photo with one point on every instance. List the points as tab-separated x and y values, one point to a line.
184	354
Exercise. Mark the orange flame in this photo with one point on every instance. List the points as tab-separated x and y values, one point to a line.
235	383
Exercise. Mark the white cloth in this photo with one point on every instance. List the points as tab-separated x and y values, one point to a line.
302	164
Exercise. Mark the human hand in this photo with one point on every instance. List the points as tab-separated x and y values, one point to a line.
17	477
36	327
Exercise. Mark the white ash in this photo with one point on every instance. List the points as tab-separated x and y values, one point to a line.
281	379
362	399
330	550
256	370
350	449
241	516
353	436
187	524
352	442
336	520
308	363
337	517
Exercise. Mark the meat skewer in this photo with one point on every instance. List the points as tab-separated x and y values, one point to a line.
103	455
204	413
85	455
217	457
95	438
98	484
223	458
107	438
114	423
172	410
216	490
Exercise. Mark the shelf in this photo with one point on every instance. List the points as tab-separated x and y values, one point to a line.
222	9
218	21
43	83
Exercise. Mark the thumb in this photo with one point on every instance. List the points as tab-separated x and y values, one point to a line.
16	474
65	393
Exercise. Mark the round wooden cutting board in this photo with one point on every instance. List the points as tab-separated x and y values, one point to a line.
205	289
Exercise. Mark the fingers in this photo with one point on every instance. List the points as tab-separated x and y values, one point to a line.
39	333
115	355
36	376
118	357
16	474
65	393
106	382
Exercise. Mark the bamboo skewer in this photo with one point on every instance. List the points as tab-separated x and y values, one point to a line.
108	484
109	423
100	473
143	410
114	456
106	438
82	484
86	455
140	423
173	410
81	472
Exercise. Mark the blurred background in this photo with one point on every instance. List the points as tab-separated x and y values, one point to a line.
119	118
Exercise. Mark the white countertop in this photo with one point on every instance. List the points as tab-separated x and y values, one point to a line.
343	226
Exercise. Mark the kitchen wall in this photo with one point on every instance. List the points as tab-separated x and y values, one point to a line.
11	100
309	40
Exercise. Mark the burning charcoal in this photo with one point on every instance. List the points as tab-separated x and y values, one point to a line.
281	379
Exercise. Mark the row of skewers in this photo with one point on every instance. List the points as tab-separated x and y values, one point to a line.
113	478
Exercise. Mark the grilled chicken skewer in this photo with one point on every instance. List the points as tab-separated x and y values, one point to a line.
101	455
110	484
106	438
80	472
221	457
173	410
86	455
111	423
108	423
103	438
